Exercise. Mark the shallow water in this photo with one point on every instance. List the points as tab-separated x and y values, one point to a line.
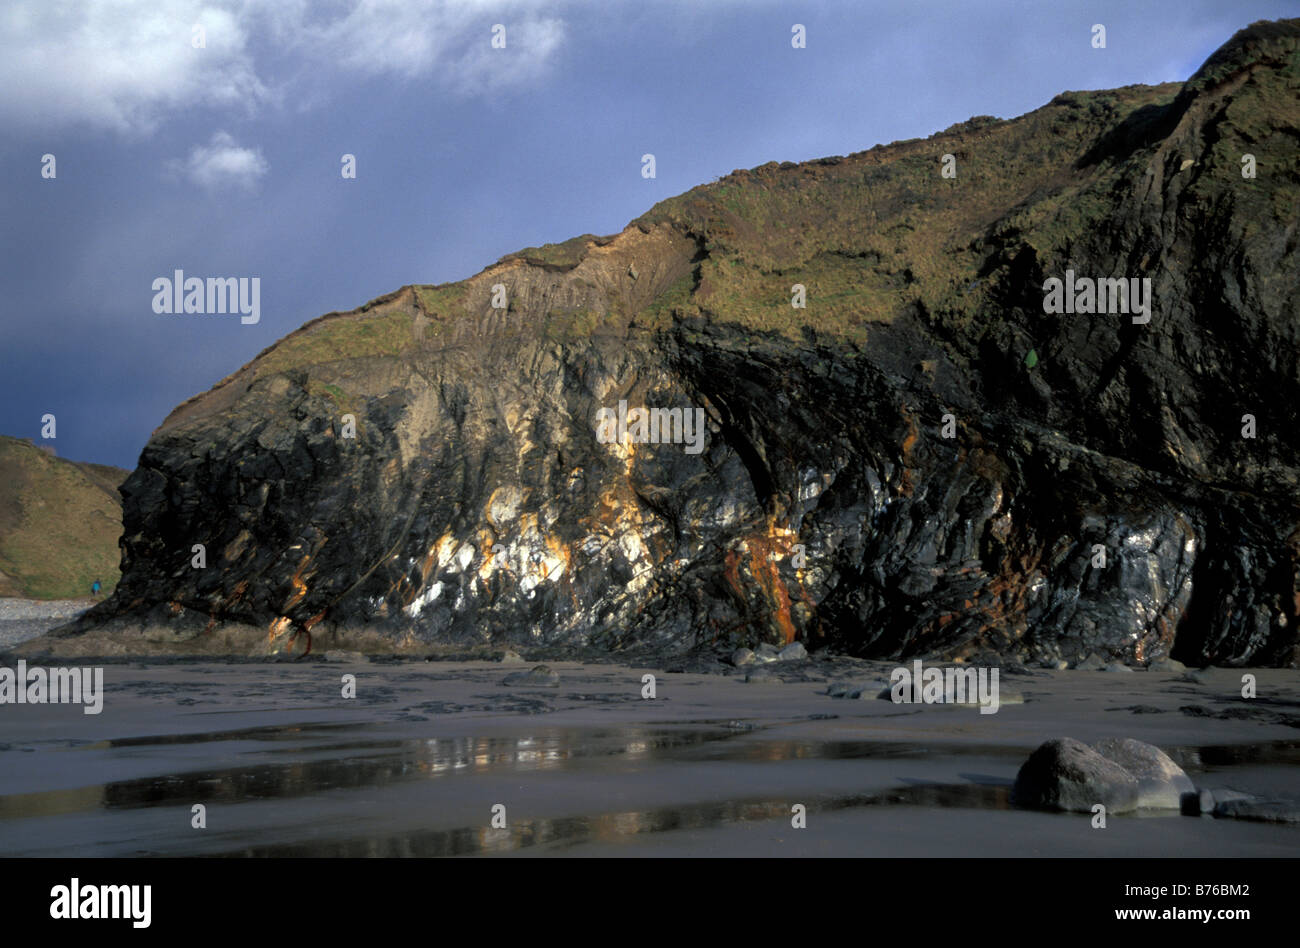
588	774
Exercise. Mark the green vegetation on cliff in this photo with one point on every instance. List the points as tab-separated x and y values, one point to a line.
59	523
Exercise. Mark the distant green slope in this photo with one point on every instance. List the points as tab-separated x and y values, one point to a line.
59	523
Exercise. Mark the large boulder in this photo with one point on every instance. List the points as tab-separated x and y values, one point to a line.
1121	773
1065	774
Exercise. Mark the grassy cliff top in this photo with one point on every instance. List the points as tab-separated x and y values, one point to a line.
869	236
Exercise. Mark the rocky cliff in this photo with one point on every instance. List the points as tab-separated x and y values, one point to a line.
919	461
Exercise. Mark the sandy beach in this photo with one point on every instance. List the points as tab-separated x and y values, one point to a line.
415	763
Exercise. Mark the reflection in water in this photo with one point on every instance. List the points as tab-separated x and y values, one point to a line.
337	757
1234	755
616	827
270	732
388	762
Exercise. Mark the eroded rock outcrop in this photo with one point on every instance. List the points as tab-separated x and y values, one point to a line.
919	462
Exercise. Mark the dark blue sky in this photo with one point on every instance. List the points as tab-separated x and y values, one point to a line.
225	160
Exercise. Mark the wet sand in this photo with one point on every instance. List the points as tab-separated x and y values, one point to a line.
712	766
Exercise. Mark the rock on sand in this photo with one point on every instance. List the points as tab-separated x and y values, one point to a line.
1121	774
539	676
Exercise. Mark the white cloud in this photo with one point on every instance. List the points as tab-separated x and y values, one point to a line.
222	163
121	65
448	40
129	64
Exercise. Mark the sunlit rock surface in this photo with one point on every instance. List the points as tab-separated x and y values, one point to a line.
477	505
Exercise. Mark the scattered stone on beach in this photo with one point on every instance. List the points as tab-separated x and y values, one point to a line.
1205	800
766	653
1065	774
540	676
762	674
345	657
1258	810
1093	662
860	691
1162	784
1116	667
794	652
511	657
742	657
885	692
1167	665
1197	676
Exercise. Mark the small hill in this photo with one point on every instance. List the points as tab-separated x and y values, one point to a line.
59	523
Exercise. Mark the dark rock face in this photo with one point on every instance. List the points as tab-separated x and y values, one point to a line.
886	471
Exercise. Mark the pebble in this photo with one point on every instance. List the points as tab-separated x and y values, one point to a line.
1005	696
855	692
539	676
345	657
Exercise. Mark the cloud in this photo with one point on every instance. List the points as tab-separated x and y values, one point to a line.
130	64
448	40
121	65
222	163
